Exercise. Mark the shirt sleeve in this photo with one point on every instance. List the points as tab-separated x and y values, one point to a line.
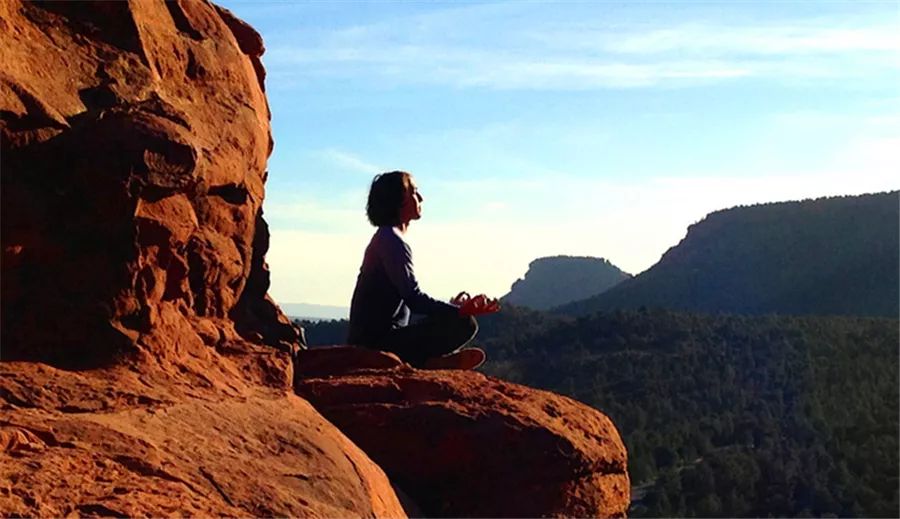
396	257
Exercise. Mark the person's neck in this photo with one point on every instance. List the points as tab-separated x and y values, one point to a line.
402	227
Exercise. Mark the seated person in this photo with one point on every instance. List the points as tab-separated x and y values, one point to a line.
387	291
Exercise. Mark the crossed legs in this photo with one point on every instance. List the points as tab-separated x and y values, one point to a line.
433	336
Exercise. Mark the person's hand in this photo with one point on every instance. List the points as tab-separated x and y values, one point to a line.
460	298
480	304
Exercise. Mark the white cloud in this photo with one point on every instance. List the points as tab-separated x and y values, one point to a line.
584	74
511	47
349	161
800	38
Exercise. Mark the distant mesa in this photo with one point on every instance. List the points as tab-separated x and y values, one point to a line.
828	256
314	312
557	280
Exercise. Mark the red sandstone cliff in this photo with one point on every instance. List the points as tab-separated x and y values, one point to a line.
134	145
135	138
145	371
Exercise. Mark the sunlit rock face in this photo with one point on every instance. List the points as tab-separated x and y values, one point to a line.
134	142
134	145
461	444
76	444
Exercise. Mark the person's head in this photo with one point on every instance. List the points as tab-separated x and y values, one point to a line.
394	199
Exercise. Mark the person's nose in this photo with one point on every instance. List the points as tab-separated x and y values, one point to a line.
420	197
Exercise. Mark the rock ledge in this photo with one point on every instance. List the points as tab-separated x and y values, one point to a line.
463	444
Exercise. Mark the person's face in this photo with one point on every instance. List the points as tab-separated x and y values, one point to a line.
412	203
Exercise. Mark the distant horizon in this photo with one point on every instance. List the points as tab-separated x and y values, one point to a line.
302	310
587	129
329	310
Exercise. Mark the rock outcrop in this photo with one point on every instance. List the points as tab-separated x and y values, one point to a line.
134	145
74	445
461	444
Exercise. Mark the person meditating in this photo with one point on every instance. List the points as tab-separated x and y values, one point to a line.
387	292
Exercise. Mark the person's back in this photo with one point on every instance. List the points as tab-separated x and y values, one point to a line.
386	290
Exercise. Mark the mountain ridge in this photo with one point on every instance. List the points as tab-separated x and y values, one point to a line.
825	256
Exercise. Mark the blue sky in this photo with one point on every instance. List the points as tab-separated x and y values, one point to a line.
539	128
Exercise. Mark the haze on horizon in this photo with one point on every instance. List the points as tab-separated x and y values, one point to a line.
533	129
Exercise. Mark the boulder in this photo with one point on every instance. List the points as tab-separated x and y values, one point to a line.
324	361
129	448
462	444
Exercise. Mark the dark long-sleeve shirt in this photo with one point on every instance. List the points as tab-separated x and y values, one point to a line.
387	291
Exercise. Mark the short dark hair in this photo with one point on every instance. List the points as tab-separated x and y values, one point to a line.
386	197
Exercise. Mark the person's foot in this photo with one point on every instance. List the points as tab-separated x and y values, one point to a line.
466	358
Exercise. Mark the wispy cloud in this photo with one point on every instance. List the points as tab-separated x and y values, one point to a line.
349	161
582	74
521	52
797	39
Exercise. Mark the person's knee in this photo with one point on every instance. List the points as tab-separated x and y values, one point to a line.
454	330
466	327
472	324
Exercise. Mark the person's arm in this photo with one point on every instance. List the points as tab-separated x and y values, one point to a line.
396	257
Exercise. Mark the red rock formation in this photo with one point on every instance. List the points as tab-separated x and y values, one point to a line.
134	141
461	444
130	447
134	145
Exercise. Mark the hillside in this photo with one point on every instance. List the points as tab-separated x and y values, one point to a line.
829	256
731	416
557	280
